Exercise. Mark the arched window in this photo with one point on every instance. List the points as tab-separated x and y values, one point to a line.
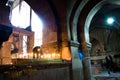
23	16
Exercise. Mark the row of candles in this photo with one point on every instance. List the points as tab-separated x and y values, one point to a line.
48	56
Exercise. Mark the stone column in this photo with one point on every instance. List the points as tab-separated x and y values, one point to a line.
87	61
76	62
20	44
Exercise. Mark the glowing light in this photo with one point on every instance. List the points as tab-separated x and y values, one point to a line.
45	56
50	56
24	44
110	20
21	17
24	15
37	28
36	23
15	16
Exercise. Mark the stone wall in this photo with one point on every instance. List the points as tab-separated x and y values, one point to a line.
50	74
58	71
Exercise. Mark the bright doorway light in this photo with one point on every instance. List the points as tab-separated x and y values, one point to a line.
20	17
37	25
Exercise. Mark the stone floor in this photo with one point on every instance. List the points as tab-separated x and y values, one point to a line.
105	75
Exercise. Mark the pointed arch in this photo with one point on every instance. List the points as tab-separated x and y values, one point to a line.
23	16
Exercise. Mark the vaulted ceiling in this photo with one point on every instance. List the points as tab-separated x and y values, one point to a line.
106	11
102	32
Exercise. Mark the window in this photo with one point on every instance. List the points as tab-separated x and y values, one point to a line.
21	18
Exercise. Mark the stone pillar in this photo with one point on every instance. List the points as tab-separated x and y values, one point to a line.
87	61
30	41
66	54
76	62
20	44
5	53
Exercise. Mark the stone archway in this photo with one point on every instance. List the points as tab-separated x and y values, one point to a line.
91	14
72	21
85	35
83	15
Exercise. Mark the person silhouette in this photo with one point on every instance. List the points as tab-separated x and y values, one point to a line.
109	63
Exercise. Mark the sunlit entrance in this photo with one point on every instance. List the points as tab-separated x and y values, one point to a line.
22	16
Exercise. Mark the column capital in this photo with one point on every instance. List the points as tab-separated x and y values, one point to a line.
74	43
89	45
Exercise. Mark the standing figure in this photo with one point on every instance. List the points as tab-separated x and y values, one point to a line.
109	63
